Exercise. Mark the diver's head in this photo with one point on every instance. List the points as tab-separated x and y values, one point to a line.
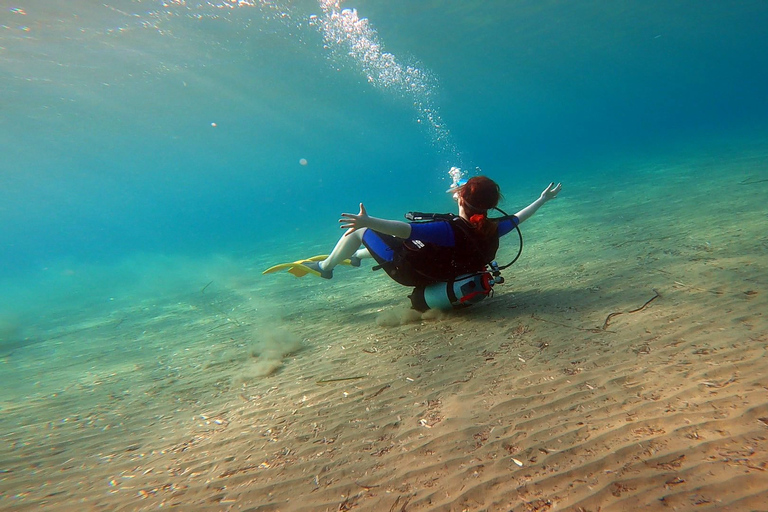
475	198
479	194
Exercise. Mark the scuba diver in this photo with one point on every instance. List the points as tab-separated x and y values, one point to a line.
448	259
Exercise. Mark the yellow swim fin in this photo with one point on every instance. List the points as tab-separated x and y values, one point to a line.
298	268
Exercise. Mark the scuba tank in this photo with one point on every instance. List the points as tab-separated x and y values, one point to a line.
460	292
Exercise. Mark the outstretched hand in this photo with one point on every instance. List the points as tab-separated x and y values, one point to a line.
550	192
352	222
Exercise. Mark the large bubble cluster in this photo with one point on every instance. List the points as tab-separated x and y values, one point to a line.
348	36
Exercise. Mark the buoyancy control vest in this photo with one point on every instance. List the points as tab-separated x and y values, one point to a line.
447	277
419	263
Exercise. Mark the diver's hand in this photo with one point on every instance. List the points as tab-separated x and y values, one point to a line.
352	222
551	191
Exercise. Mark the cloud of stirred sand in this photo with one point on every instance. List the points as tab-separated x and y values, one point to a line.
261	352
10	335
402	316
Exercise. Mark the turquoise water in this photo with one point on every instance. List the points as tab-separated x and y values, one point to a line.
156	156
145	142
109	150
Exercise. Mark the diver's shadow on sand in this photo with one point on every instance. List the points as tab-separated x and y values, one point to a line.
580	308
501	307
538	301
577	305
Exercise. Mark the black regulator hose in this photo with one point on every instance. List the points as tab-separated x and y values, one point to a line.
519	234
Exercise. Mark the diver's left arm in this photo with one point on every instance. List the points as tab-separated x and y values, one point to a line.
352	222
549	193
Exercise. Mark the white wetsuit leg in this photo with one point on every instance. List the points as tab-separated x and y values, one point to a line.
346	247
363	253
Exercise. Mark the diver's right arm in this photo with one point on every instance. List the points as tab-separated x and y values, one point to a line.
352	222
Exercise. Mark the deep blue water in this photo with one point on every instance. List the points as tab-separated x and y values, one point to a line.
179	128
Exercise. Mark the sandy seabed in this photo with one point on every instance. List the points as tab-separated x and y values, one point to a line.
622	366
